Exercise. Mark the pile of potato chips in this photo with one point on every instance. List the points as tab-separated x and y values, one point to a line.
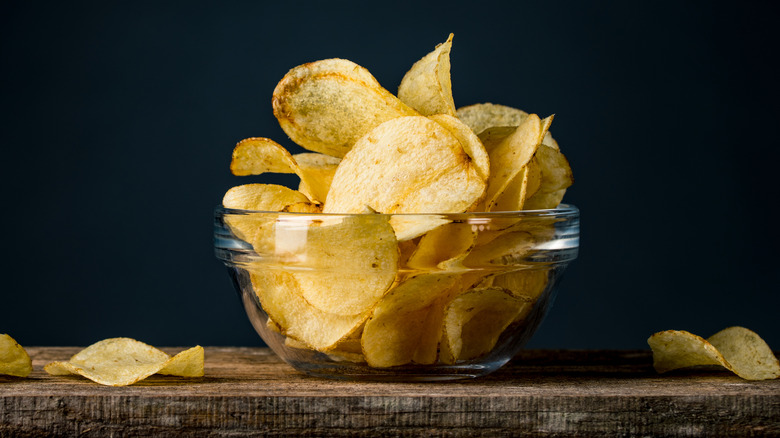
369	281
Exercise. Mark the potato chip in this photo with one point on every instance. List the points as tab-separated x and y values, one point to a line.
350	262
124	361
281	298
523	186
326	106
737	349
317	172
393	333
406	165
14	360
471	144
427	86
253	229
443	247
509	249
512	154
474	320
556	177
482	116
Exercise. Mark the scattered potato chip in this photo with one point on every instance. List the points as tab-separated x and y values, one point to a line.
737	349
326	106
427	86
124	361
14	360
474	320
406	165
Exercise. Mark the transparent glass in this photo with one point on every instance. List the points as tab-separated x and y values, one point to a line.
411	297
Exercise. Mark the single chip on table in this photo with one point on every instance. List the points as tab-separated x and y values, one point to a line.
14	360
124	361
427	86
737	349
326	106
406	165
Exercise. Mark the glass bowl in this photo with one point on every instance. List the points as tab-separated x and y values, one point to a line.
406	297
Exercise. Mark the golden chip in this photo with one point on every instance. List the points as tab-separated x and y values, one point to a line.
475	319
427	86
737	349
326	106
406	165
392	335
317	172
443	247
14	360
556	177
512	154
124	361
482	116
350	261
281	298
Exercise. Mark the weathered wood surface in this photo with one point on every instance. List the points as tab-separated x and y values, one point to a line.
248	391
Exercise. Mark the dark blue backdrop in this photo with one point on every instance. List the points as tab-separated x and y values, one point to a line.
118	120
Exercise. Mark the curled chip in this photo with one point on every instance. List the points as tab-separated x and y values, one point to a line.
124	361
350	261
406	165
257	155
14	361
482	116
474	320
326	106
737	349
427	86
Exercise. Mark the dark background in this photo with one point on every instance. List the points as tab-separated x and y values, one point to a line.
118	121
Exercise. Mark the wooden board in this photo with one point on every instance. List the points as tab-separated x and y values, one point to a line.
248	391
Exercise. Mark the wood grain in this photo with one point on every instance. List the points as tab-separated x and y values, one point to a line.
249	391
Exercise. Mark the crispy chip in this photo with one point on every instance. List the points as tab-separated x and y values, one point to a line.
281	298
258	155
512	154
427	86
317	172
443	247
471	144
406	165
350	262
555	178
474	320
736	348
397	325
124	361
326	106
482	116
253	229
509	249
14	360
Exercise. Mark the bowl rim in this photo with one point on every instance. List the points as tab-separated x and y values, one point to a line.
562	211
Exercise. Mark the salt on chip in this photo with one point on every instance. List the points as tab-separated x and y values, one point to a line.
326	106
406	165
737	349
350	262
427	86
124	361
14	360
